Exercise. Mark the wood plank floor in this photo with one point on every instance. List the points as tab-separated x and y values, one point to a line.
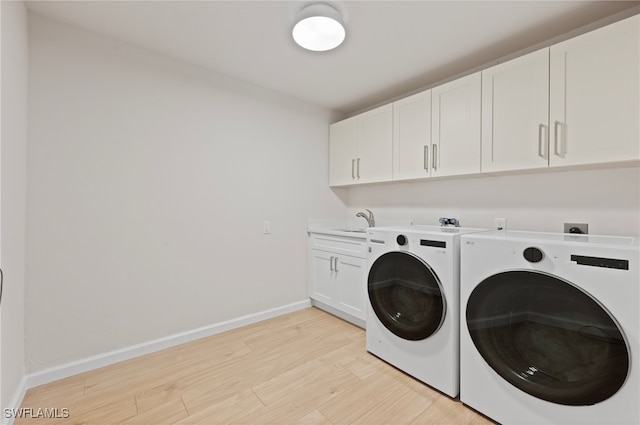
307	367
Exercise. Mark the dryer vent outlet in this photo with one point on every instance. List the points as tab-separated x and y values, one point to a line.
576	228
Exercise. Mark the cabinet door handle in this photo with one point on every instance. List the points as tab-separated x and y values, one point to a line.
358	169
353	169
556	137
335	264
541	152
331	263
426	157
434	154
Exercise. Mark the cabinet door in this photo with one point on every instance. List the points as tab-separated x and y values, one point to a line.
322	281
412	136
374	163
594	89
515	113
343	141
352	287
455	131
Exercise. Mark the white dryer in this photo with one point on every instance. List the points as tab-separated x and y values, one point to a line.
413	301
549	327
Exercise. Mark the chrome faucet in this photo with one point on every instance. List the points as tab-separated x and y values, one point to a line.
371	222
444	221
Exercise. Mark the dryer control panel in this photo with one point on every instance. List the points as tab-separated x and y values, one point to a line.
608	263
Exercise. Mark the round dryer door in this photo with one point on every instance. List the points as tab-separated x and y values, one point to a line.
406	295
548	338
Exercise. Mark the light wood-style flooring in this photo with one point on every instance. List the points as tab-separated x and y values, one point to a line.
307	367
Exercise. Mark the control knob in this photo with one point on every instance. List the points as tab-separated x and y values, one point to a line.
533	254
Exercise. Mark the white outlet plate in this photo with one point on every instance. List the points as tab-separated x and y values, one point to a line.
500	223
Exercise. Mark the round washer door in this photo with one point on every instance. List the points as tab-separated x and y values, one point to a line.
406	295
548	338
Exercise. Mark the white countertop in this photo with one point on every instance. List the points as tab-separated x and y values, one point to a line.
348	227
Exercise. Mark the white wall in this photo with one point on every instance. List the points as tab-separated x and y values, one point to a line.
149	179
12	196
607	199
148	182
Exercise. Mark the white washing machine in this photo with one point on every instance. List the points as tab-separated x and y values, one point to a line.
413	301
549	327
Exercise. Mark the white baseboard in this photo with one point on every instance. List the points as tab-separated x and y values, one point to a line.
94	362
15	402
338	313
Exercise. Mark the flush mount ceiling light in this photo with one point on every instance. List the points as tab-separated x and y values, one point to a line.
319	28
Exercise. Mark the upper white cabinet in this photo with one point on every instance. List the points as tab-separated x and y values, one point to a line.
574	103
374	148
412	137
594	105
455	127
437	132
515	114
360	148
343	139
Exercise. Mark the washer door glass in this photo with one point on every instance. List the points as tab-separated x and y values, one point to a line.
406	295
548	338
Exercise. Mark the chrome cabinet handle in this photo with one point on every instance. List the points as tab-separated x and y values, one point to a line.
541	152
434	154
556	141
358	169
426	158
331	263
335	264
353	167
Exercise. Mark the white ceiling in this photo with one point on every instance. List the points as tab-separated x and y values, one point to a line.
392	47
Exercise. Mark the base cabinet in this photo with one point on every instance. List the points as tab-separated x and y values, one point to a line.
350	275
337	275
322	282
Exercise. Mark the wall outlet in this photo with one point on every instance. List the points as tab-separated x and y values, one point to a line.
576	228
500	223
266	227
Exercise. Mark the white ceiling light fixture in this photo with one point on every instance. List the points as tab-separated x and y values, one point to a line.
319	28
